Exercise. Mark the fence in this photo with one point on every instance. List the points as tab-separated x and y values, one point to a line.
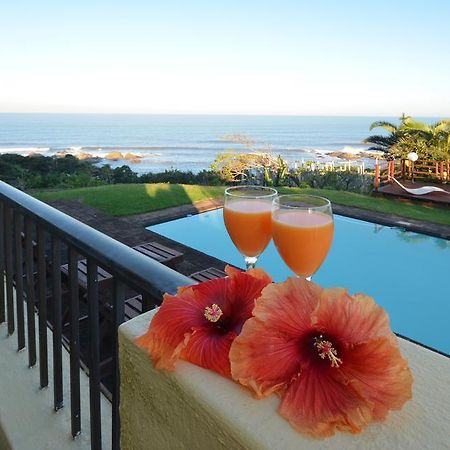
438	171
34	240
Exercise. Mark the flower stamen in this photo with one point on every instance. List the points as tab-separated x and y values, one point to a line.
213	313
326	350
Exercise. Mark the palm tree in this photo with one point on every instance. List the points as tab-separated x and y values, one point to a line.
383	143
428	140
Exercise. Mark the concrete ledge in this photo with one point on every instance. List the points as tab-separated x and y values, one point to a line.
193	408
27	418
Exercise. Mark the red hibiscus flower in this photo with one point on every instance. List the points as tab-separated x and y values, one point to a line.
332	357
200	322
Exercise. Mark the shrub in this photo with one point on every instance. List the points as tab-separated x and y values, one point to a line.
340	180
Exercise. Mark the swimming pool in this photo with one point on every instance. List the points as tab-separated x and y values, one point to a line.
405	272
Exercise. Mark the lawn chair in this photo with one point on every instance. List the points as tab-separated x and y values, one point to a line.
208	274
424	190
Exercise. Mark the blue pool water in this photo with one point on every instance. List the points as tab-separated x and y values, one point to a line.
406	273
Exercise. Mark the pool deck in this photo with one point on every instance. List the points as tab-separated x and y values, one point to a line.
393	190
131	230
392	220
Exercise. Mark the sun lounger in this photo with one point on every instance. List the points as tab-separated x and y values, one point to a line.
153	250
161	253
208	274
424	190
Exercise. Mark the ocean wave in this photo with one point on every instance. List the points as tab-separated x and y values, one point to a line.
349	144
24	150
135	148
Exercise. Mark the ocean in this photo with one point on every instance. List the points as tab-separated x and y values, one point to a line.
184	142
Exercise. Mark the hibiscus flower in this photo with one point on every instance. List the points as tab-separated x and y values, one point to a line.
331	357
200	322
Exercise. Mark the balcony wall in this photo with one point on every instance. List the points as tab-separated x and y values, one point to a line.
193	408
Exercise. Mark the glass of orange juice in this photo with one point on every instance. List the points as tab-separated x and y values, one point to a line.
302	230
247	216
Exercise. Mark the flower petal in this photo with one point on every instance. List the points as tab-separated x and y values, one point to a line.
353	319
171	327
244	289
378	371
317	403
287	307
209	350
267	355
263	359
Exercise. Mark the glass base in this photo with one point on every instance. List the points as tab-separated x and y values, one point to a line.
250	262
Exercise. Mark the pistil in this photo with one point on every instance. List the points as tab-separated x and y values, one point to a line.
326	350
213	313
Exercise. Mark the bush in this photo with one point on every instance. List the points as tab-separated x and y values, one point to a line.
174	176
340	180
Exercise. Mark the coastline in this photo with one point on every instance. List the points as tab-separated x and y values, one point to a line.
187	143
142	161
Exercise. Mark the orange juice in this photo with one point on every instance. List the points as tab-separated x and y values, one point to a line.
249	225
302	238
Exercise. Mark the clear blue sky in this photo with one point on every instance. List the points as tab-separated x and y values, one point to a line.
223	56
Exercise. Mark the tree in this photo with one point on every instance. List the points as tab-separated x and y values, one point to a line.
427	140
234	167
124	174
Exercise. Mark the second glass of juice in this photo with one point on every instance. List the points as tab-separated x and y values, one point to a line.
302	230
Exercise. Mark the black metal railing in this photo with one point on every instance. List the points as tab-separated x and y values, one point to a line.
35	239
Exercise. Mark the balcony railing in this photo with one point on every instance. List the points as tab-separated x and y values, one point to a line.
35	240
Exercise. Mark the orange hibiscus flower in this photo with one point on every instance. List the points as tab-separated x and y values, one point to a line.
332	357
200	322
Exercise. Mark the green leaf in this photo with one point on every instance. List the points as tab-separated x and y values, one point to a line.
415	125
390	127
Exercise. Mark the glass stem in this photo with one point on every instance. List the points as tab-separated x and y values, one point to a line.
250	262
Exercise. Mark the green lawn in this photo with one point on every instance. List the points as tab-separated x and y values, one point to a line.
381	204
128	199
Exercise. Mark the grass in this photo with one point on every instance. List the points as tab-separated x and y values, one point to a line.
411	210
129	199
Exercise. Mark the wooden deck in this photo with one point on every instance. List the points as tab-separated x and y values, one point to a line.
393	190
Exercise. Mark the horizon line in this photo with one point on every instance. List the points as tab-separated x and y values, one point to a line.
216	114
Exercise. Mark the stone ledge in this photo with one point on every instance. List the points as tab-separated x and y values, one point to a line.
193	408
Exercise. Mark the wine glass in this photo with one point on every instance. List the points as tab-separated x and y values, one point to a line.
302	230
247	217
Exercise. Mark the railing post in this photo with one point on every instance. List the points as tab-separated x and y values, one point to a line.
75	407
94	355
57	319
31	320
9	269
2	263
42	302
118	318
377	175
18	274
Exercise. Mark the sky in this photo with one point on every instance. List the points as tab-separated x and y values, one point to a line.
322	57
